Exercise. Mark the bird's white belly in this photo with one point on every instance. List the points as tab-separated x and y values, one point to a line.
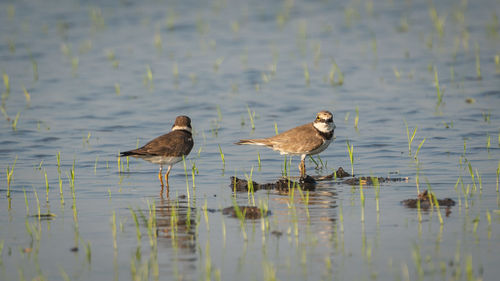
170	160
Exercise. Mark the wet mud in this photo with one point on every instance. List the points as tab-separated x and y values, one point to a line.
309	182
425	201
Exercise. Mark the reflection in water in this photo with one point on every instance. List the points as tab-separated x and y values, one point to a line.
175	222
313	207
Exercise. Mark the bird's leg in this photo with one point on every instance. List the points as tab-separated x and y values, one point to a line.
166	176
161	179
302	166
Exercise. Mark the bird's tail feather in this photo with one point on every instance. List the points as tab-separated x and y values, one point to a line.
254	142
128	153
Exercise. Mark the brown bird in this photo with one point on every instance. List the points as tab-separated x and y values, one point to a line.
308	139
167	149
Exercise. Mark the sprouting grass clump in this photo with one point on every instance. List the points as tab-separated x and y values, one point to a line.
356	118
335	76
222	157
218	63
97	19
148	78
27	96
15	121
410	139
350	150
438	21
6	82
251	115
478	62
10	173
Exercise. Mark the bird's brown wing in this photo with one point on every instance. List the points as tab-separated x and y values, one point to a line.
298	140
175	143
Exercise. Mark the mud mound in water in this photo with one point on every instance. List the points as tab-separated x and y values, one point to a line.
425	201
307	182
339	174
282	184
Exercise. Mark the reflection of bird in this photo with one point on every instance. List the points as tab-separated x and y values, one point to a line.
308	139
167	149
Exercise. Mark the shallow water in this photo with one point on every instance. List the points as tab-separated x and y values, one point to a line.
216	62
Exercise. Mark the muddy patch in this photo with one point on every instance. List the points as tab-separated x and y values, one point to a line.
339	174
247	212
425	201
283	184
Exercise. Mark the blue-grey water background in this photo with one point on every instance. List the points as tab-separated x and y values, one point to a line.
106	76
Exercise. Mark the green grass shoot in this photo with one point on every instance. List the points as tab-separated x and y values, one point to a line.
480	181
34	66
37	204
376	187
205	214
258	160
219	113
194	171
95	164
27	96
350	150
410	139
498	174
222	157
335	71
436	204
46	186
10	173
15	121
397	74
314	161
117	88
418	149
217	63
186	174
6	82
356	118
113	229
478	61
346	117
251	115
362	199
27	207
307	76
250	187
438	88
473	178
137	226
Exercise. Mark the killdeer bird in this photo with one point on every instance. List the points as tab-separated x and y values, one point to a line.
167	149
308	139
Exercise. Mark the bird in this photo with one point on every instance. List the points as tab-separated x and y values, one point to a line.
167	149
308	139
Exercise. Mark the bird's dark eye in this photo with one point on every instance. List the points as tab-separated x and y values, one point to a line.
317	118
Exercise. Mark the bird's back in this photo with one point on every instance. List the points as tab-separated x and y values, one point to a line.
176	143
